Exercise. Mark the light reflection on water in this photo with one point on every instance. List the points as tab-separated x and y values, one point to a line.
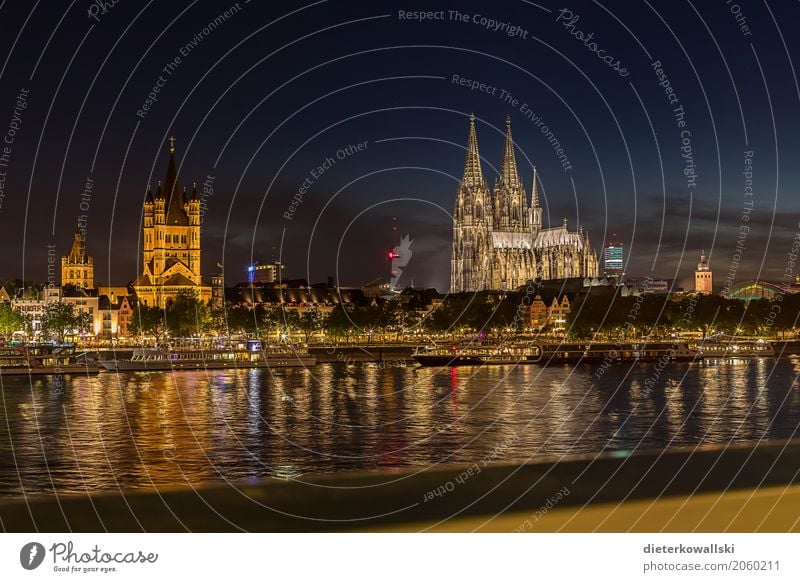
134	430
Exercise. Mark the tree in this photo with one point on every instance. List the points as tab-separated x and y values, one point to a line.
339	322
11	320
236	320
267	319
288	320
83	322
148	321
187	315
310	323
58	320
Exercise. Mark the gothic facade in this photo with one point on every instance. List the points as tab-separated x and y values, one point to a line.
498	239
171	243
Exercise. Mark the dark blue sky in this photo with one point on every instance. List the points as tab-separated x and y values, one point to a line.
262	98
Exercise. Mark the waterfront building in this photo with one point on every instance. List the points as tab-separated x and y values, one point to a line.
217	290
498	239
171	243
77	268
83	300
109	318
703	280
296	294
557	313
537	313
114	293
33	304
124	316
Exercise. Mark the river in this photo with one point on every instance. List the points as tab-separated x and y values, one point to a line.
142	430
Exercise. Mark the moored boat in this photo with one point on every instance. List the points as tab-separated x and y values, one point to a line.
213	358
478	355
44	359
616	352
554	353
735	348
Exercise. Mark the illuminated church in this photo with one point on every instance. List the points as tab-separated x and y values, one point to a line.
171	242
77	268
498	239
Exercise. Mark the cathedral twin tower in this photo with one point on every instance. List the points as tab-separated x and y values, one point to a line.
498	240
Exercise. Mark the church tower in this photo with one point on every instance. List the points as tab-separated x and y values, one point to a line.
77	268
472	225
170	242
703	278
511	205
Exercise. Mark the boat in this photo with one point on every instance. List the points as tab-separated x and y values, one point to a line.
478	355
731	347
253	355
555	353
44	359
590	352
785	347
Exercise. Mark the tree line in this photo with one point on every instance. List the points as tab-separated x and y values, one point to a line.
492	313
661	315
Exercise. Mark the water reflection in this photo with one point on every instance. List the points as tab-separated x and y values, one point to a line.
151	429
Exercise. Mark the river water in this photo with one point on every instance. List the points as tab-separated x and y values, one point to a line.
142	430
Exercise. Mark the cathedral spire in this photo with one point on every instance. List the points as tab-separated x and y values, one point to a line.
473	176
508	172
173	193
535	190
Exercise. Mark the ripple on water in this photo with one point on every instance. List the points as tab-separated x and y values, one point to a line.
140	430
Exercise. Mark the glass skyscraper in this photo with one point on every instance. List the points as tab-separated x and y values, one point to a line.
613	258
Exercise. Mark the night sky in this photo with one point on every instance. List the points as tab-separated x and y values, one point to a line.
263	94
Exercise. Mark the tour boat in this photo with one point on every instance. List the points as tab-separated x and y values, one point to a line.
213	358
735	348
554	353
616	352
478	355
44	359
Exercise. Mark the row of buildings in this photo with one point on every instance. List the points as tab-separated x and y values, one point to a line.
171	265
499	244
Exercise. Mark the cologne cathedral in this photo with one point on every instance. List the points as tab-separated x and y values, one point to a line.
498	239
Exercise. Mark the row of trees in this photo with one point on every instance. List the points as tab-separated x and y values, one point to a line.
659	315
489	312
187	316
